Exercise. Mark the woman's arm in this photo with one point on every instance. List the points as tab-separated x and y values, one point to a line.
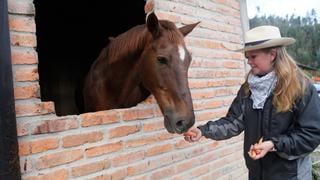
305	137
229	126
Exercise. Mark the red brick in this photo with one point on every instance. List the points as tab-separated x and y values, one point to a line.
138	112
233	64
207	115
203	94
64	157
28	147
233	82
42	145
153	126
182	144
130	114
123	131
55	125
140	177
172	17
102	177
98	118
147	140
25	165
23	55
157	112
22	23
197	151
141	141
32	109
137	169
213	73
163	173
204	43
202	63
21	7
61	174
22	128
115	175
227	10
196	83
118	174
165	136
186	165
215	83
80	139
127	158
179	8
29	73
104	149
160	162
149	6
27	91
196	62
24	148
90	168
208	157
208	104
177	157
144	113
224	92
160	149
214	54
237	56
181	177
23	39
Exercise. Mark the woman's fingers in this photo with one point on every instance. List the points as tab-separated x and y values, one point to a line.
257	150
187	138
261	149
193	135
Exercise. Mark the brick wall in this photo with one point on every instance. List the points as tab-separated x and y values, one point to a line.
133	143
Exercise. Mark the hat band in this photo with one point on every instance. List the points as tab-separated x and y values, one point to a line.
255	43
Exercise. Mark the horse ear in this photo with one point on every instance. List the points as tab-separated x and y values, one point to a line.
185	30
153	24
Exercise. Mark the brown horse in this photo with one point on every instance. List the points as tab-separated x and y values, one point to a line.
150	58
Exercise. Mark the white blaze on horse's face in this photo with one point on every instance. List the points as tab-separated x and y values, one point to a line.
182	52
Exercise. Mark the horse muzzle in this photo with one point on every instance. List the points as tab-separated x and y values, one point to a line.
178	125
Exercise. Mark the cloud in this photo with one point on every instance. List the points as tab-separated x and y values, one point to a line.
282	7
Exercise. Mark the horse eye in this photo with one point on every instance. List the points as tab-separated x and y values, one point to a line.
162	60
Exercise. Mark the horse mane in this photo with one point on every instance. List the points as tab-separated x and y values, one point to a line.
135	39
126	43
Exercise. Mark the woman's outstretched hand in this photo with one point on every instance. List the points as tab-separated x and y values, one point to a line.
194	134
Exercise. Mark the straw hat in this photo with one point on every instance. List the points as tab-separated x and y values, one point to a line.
264	37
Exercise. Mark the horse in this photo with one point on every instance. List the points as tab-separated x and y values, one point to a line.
147	59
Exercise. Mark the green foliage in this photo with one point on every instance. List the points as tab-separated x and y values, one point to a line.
315	171
306	30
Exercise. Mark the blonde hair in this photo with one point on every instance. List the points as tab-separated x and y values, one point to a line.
291	82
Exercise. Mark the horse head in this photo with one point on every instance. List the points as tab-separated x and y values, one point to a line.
164	72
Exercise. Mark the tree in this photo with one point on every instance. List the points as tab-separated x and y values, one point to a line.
306	31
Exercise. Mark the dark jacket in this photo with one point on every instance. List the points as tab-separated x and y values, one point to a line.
295	135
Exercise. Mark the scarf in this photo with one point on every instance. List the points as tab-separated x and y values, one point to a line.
261	88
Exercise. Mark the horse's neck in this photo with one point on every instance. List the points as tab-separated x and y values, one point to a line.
122	78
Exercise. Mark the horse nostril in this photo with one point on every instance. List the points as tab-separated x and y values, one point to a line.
180	124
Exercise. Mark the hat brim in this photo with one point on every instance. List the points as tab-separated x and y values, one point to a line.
285	41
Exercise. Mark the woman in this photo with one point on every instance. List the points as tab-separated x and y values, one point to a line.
276	102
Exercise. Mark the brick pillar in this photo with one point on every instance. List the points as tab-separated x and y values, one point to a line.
9	159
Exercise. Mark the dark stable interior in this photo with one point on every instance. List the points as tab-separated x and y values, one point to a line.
70	36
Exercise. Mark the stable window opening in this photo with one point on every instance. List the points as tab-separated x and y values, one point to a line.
70	36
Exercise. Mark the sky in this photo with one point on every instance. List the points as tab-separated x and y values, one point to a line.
282	7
